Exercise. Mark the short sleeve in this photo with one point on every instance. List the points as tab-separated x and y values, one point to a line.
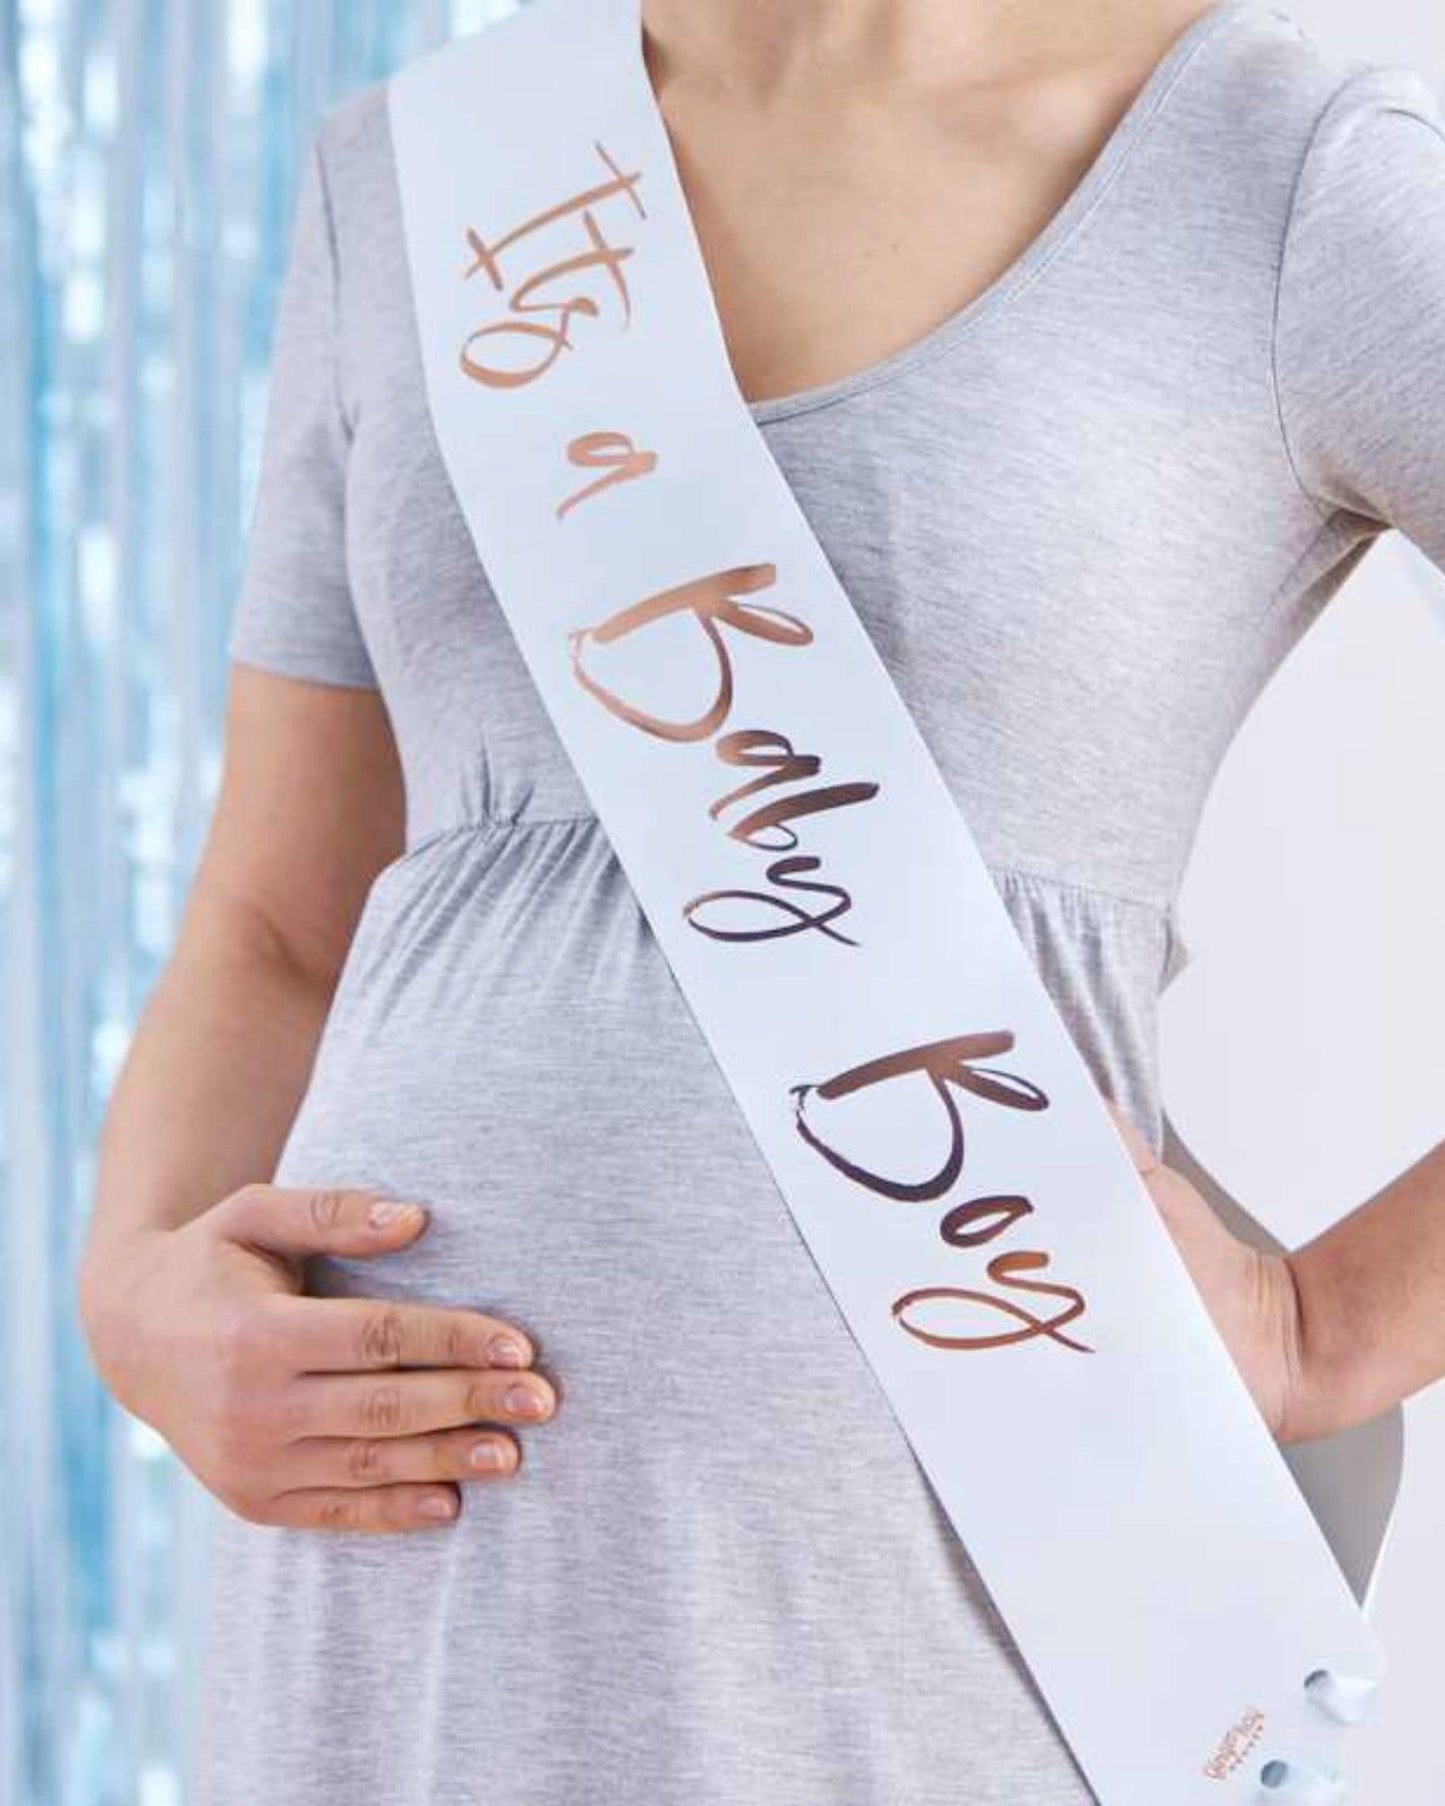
294	613
1360	325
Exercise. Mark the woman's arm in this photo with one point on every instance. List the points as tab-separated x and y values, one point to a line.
336	1413
1371	1293
1338	1330
310	809
1345	1327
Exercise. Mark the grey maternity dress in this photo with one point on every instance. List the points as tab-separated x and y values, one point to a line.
1083	520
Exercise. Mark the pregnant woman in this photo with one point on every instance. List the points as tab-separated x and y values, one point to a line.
1098	342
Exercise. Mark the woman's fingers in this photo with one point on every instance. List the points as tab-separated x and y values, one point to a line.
295	1221
378	1508
359	1461
330	1412
411	1403
345	1335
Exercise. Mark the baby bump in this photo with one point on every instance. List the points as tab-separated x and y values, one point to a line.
526	1067
509	1047
724	1486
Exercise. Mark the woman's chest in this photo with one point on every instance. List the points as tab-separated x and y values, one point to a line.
839	228
1057	546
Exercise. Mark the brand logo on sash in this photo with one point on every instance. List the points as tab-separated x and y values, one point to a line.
1235	1745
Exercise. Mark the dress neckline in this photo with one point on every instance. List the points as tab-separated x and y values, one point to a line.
1079	202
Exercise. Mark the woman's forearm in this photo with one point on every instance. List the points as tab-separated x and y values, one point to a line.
1372	1328
212	1081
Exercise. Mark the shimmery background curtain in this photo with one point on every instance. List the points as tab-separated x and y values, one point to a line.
148	162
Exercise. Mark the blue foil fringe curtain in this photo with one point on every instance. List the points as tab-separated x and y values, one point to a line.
149	154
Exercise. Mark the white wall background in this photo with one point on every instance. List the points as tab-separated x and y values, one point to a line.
1334	950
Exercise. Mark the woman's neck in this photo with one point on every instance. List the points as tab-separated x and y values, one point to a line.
763	49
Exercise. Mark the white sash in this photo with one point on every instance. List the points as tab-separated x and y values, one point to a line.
842	945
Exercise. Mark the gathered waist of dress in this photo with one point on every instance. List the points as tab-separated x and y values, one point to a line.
1014	873
511	859
520	924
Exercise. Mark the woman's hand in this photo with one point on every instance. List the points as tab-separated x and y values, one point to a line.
1251	1295
332	1413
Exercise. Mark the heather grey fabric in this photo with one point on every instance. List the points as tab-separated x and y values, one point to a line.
1083	520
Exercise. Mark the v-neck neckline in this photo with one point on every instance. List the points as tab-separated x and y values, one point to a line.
1079	202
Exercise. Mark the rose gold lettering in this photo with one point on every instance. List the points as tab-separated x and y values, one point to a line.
954	1063
995	1214
1001	1270
811	802
780	872
613	452
787	767
943	1063
712	602
782	765
601	257
487	256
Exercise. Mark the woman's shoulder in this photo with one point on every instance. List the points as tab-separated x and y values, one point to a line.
354	135
1362	140
1379	124
358	172
1279	91
1360	307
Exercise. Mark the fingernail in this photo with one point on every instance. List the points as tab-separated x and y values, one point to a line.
438	1505
525	1402
387	1211
486	1454
506	1351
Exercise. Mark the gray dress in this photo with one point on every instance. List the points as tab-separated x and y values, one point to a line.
1083	520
